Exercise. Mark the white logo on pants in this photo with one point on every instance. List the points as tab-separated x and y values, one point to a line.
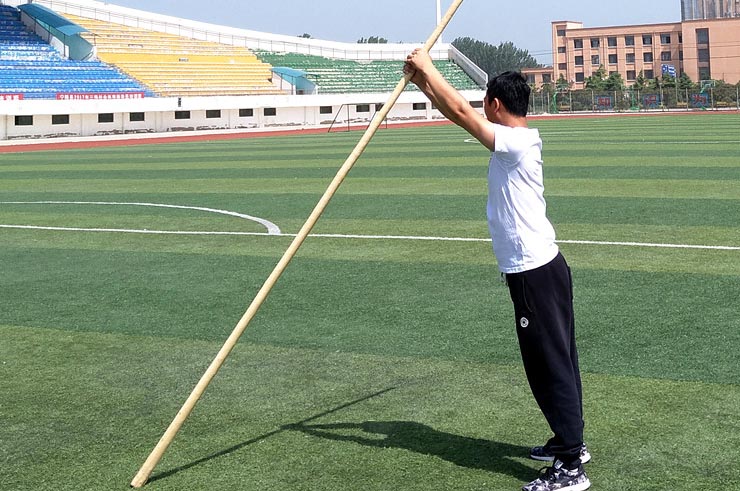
524	322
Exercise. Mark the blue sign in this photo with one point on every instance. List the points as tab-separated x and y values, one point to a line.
651	101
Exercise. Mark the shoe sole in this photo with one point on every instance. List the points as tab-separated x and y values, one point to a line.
577	487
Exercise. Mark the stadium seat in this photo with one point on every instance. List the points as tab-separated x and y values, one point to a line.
343	76
179	66
32	67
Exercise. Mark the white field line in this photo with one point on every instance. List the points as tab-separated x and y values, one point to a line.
272	229
365	237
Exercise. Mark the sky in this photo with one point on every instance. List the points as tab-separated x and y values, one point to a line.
526	23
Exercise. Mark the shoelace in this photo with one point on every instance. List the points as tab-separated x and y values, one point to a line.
547	472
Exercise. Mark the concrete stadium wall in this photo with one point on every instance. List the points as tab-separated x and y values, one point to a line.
162	115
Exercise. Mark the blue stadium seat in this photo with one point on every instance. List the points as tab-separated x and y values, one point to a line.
32	67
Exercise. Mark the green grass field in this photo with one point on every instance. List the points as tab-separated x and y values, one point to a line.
376	363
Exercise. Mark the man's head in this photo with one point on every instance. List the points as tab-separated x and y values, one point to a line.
511	90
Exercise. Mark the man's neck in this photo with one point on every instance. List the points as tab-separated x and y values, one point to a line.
508	119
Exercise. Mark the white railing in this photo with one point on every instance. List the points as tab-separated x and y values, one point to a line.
473	70
253	40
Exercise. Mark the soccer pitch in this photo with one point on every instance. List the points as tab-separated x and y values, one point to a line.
386	356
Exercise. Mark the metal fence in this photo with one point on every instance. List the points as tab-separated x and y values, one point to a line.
588	100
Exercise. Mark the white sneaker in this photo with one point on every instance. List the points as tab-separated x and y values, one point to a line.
561	479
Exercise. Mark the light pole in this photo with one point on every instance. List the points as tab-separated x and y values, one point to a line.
439	16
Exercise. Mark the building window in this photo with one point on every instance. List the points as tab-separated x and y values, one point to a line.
680	55
561	32
579	60
665	56
631	75
703	55
476	104
630	57
562	66
665	39
613	59
105	118
326	110
24	120
595	42
420	106
362	108
611	42
705	73
702	36
595	60
546	78
649	74
213	113
379	106
136	117
647	57
60	119
647	39
246	113
578	43
530	78
580	77
270	111
182	114
629	40
561	49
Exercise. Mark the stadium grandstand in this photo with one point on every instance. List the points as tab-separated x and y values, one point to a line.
31	68
96	68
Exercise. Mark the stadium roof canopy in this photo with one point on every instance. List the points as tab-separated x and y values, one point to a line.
289	72
50	19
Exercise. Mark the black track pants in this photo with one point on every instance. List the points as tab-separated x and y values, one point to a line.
543	306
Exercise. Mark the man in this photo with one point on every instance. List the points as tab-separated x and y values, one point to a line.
538	277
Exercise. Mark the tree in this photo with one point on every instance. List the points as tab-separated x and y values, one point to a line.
597	81
614	82
685	82
372	40
640	82
669	81
495	60
562	85
305	35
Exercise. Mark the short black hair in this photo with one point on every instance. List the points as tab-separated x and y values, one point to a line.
512	89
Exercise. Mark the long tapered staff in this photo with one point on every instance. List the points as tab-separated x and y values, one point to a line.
156	455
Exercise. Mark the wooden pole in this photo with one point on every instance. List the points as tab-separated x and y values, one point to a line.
156	455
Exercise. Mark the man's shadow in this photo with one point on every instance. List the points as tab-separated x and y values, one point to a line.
468	452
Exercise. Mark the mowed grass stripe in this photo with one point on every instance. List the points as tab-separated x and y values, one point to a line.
89	406
645	188
287	209
638	311
427	172
404	251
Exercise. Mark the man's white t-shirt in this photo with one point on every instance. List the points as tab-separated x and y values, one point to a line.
523	237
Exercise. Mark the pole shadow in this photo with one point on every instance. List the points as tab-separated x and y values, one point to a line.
473	453
239	446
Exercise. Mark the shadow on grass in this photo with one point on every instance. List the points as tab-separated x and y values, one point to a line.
227	451
464	451
468	452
